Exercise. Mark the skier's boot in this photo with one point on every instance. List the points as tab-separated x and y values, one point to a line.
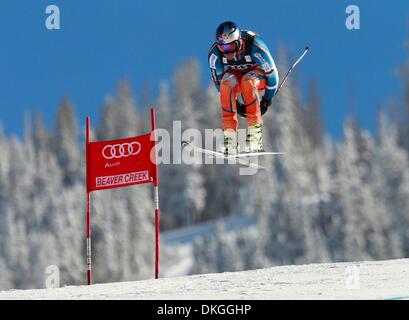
230	143
254	140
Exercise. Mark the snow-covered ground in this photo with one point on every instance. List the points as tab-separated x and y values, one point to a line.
365	280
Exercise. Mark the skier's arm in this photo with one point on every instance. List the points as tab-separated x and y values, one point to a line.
216	66
265	61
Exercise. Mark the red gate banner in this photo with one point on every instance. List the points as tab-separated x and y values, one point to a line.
119	163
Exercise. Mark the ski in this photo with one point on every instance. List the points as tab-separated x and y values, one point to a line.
239	158
256	154
215	154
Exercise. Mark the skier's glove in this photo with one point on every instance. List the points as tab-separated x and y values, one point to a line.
264	105
241	109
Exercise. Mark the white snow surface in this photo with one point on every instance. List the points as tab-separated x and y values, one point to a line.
376	280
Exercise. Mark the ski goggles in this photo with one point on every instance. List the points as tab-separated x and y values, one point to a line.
228	47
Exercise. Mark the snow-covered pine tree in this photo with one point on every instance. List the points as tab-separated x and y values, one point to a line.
353	160
66	142
392	161
118	115
187	199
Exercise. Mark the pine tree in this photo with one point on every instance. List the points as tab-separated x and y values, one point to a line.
403	129
313	117
4	170
66	142
393	162
164	107
41	137
354	173
119	117
187	181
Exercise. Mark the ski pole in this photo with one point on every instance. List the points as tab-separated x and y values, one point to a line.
291	69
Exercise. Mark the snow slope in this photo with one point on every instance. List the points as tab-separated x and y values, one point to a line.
377	280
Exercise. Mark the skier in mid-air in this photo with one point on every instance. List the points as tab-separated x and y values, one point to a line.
242	69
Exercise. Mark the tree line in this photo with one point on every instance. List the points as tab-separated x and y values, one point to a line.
326	201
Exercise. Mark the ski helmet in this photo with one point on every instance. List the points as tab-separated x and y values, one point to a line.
228	37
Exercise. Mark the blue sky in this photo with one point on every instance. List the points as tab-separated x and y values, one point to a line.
102	42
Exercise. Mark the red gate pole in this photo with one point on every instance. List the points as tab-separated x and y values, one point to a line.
89	273
156	196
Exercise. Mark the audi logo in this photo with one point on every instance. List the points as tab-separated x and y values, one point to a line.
123	150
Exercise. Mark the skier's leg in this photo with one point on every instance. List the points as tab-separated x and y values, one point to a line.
229	87
228	90
250	85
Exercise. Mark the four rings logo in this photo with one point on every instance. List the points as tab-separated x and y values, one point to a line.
123	150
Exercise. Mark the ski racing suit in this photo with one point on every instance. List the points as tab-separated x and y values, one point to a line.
251	71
